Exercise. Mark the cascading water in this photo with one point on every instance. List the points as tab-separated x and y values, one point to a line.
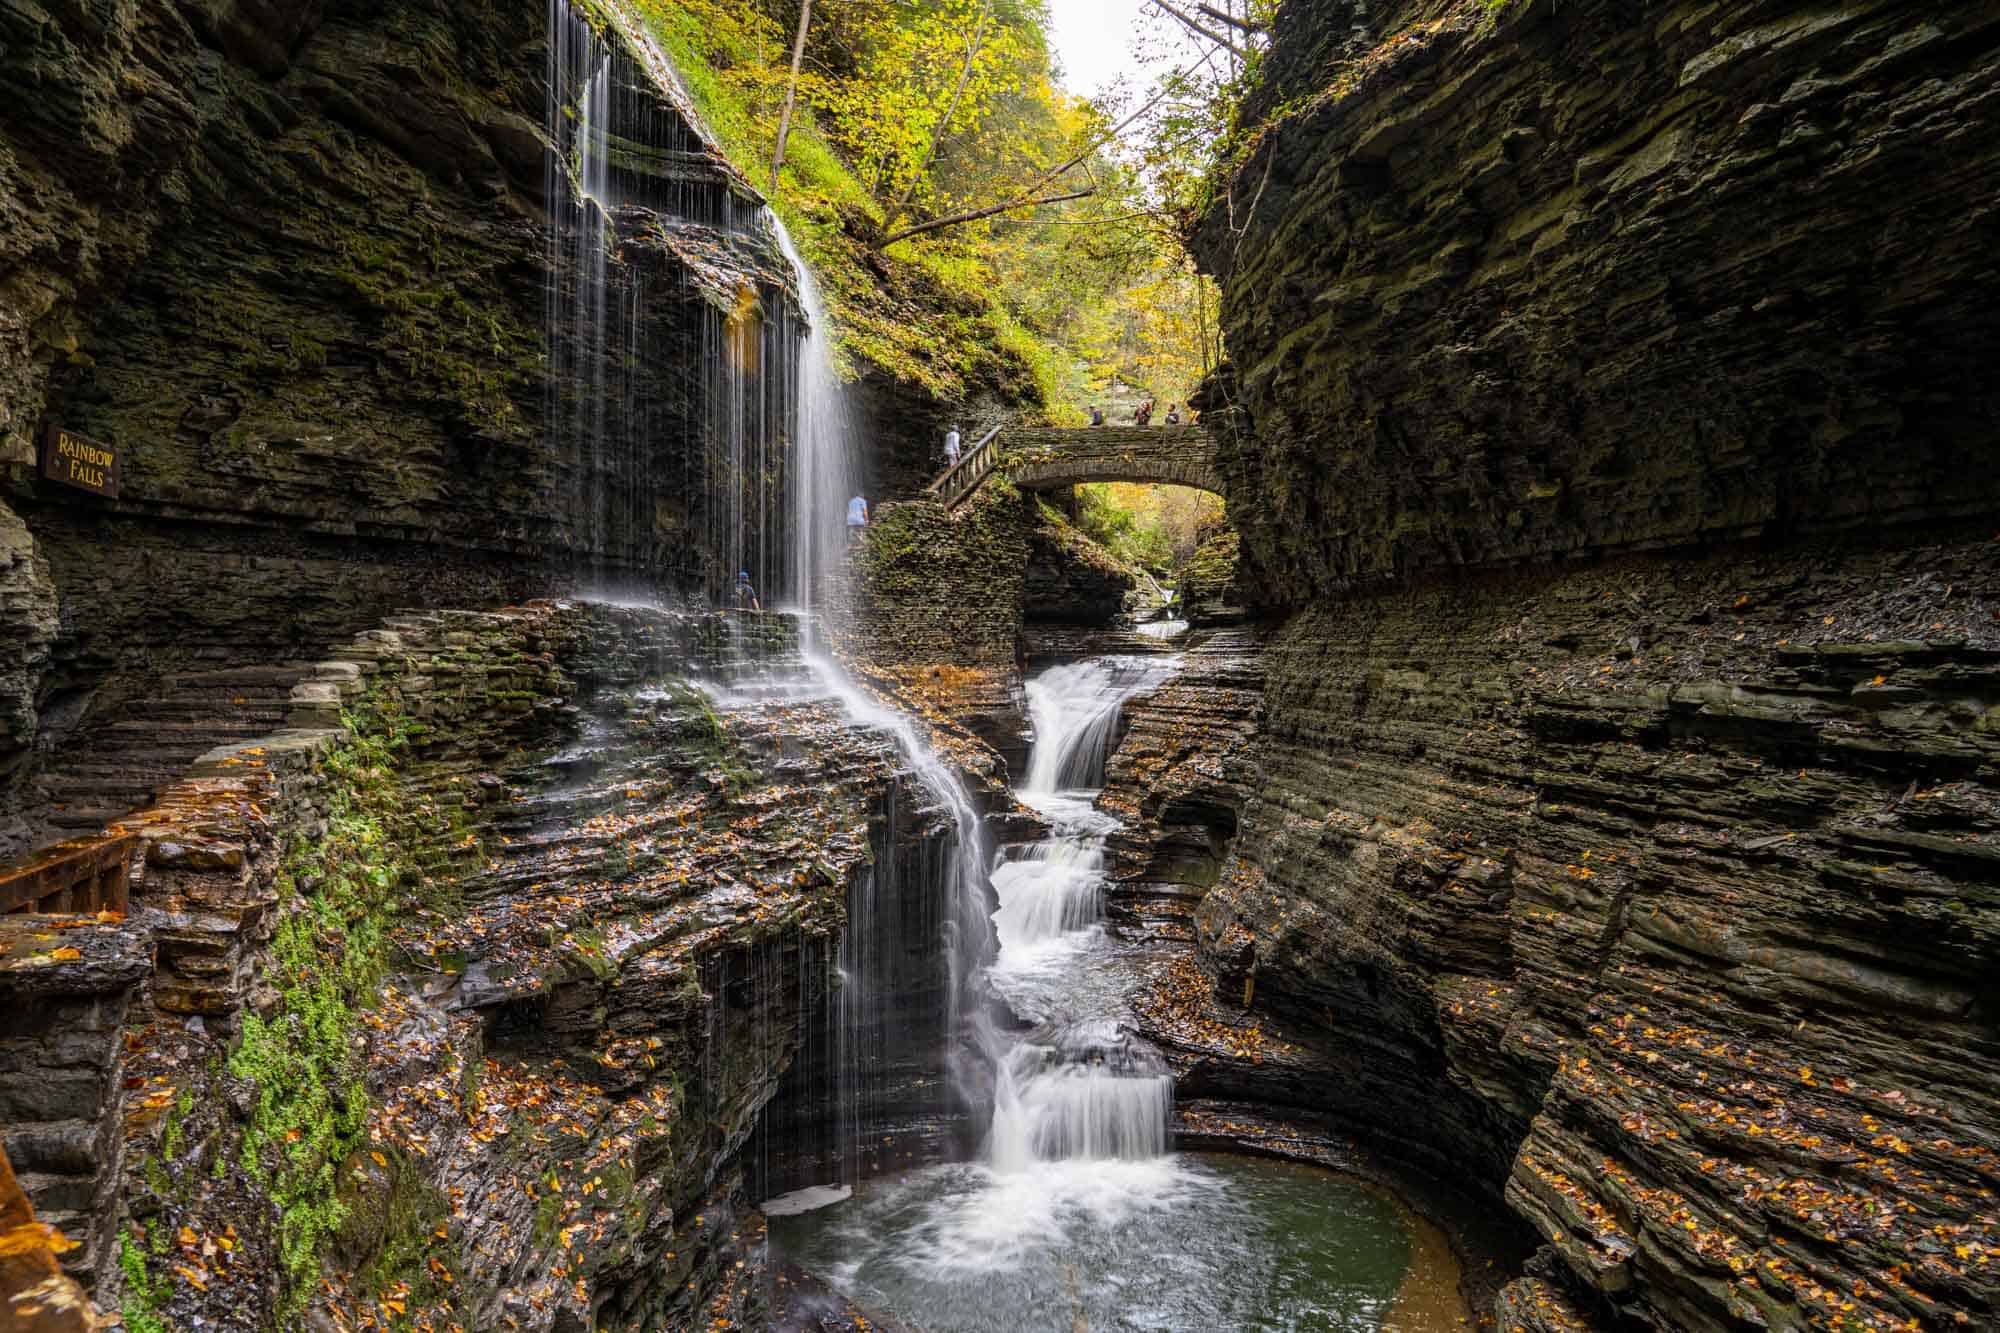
1089	1091
1065	1221
674	337
826	468
825	471
1051	894
697	427
1079	1140
695	409
1074	709
1078	1086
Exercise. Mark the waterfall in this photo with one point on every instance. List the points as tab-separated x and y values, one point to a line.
1052	895
1088	1091
1075	710
744	430
578	187
1079	1086
825	472
674	337
1078	1214
1050	892
826	467
752	405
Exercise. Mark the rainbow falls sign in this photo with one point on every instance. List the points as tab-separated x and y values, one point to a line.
75	461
